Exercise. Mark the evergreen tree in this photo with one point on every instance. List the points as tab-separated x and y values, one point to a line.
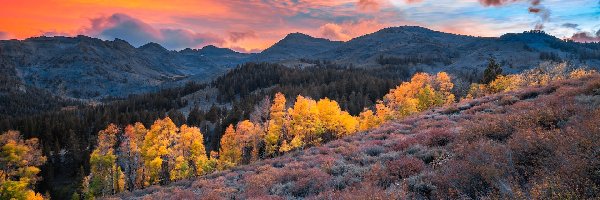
492	71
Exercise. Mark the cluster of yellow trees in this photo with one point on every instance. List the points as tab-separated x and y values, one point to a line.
137	157
422	92
307	122
542	75
19	162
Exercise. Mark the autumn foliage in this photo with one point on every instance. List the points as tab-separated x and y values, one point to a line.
20	160
530	143
136	157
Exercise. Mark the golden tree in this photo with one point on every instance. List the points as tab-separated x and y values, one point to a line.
105	176
190	153
305	124
230	153
19	162
276	125
157	150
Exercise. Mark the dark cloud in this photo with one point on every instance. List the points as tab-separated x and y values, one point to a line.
237	36
571	25
535	8
138	33
586	37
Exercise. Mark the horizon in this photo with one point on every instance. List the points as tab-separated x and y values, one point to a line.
252	26
312	36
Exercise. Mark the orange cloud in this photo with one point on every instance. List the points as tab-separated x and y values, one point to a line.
368	5
348	30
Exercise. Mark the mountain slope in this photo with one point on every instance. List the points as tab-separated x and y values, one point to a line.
532	143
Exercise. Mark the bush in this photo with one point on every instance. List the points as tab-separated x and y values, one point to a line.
373	150
404	167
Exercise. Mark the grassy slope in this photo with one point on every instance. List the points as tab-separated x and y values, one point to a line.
522	144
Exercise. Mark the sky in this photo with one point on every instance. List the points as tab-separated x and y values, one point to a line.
254	25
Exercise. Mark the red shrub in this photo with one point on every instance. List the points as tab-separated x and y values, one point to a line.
404	167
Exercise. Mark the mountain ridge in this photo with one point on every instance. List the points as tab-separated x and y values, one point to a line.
83	67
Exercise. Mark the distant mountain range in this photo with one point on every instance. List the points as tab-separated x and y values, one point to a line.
88	68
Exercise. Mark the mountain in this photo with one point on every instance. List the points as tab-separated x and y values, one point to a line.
84	67
87	68
435	51
295	46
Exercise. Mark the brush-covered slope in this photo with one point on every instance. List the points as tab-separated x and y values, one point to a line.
537	143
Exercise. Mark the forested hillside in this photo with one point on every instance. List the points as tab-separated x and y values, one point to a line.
67	131
528	135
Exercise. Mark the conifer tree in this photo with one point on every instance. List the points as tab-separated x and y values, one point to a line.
492	71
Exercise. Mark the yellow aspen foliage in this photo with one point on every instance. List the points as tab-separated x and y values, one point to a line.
104	174
31	195
211	164
347	124
580	73
504	83
19	162
329	114
305	122
158	147
428	98
444	85
190	147
119	180
275	127
230	153
383	113
295	143
182	169
476	90
367	120
421	93
250	137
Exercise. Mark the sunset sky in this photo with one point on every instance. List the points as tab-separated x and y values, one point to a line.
253	25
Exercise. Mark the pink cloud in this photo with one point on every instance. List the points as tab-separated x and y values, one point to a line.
368	5
586	37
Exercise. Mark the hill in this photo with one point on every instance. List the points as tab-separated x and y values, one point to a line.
535	142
